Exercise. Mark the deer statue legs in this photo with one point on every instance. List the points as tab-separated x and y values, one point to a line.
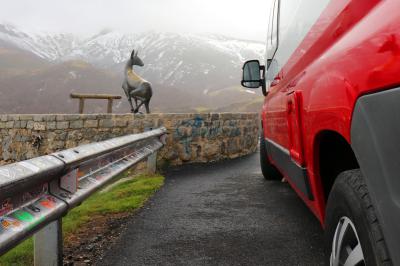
145	102
137	107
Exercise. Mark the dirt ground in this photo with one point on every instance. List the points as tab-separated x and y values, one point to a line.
87	245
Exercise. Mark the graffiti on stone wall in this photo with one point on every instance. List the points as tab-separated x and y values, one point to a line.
190	132
198	127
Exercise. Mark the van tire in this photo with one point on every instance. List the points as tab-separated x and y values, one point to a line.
349	199
268	170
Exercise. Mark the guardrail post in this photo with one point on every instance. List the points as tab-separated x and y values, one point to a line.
152	163
48	244
151	159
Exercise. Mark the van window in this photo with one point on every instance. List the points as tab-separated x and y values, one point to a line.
289	23
272	36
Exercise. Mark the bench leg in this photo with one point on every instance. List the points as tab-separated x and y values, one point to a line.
109	106
81	105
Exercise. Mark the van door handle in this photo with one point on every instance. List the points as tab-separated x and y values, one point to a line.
275	81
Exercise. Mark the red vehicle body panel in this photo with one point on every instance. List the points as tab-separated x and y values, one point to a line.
353	49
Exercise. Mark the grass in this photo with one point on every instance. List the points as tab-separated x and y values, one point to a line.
123	197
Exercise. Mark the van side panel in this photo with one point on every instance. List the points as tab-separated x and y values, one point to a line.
327	81
364	60
350	55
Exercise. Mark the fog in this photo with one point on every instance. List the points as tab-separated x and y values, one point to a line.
241	19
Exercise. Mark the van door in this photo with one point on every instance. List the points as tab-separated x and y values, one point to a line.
276	128
290	22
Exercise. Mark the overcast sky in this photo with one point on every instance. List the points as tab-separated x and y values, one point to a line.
243	19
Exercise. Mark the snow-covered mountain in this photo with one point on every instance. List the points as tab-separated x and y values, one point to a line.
201	66
168	57
51	47
111	47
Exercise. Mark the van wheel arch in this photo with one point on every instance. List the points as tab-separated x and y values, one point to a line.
334	155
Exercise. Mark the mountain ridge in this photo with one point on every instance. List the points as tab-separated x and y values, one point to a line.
184	68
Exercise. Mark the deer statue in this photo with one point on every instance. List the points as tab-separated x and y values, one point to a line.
135	86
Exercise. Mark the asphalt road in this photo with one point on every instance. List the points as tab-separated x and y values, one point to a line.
221	214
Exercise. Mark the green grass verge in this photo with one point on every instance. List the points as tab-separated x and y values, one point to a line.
124	197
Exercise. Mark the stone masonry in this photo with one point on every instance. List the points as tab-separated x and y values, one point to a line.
191	137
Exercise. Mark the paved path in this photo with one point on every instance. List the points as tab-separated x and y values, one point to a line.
221	214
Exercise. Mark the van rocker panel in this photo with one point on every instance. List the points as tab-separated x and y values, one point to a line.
297	174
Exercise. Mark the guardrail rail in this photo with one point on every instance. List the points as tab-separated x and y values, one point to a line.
35	194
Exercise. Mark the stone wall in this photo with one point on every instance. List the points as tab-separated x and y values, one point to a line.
191	138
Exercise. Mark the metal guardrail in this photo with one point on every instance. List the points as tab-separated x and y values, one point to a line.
37	193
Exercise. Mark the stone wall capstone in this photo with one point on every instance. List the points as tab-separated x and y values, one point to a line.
191	137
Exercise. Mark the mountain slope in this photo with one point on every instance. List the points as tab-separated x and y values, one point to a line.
49	89
14	61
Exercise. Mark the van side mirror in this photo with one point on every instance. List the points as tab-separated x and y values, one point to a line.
252	74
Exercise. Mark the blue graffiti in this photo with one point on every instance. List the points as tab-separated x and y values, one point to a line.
197	127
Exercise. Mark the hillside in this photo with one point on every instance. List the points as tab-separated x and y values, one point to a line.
15	61
49	88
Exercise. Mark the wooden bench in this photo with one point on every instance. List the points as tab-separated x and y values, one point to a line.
83	97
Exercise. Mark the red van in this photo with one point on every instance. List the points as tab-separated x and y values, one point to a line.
331	119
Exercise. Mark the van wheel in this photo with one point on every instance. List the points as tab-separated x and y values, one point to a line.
268	170
353	233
